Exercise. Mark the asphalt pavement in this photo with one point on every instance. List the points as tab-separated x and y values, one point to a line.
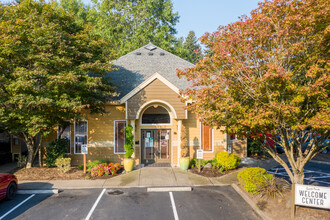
215	202
315	174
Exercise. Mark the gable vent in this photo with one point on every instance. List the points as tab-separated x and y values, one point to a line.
162	53
150	53
138	53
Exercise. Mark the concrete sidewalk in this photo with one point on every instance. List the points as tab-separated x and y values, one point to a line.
144	177
148	177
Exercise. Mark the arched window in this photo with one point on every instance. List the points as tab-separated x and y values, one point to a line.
156	115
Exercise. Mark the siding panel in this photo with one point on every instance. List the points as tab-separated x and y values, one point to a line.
156	90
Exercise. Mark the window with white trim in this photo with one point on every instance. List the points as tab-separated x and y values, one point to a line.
207	137
119	136
80	135
64	132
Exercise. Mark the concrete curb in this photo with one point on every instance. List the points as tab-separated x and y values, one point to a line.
37	191
169	189
319	162
261	214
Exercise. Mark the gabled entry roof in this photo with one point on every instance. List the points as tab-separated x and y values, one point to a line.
139	65
146	83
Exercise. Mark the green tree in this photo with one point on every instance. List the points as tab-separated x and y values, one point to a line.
78	8
130	24
51	70
193	48
269	74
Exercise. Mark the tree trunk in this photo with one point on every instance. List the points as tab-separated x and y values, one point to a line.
30	155
30	146
40	157
299	177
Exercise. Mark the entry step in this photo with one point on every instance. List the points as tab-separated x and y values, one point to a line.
157	165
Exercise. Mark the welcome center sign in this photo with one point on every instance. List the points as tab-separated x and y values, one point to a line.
314	196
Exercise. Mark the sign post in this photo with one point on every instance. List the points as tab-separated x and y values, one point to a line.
84	151
293	197
199	156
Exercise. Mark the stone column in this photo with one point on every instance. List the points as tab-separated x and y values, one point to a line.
179	139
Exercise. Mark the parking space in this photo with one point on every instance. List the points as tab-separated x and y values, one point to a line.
132	203
22	203
315	174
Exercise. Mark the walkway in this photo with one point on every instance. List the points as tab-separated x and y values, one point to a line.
144	177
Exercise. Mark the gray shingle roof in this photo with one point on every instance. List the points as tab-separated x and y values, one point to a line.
138	65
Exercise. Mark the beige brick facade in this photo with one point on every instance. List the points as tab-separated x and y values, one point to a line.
101	128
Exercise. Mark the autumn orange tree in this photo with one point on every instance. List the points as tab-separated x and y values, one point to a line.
269	74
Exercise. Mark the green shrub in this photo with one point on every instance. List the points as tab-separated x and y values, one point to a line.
81	167
129	145
63	164
194	162
253	179
55	150
227	161
21	161
215	164
254	147
272	187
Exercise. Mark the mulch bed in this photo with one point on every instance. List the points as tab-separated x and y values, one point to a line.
279	208
210	172
43	173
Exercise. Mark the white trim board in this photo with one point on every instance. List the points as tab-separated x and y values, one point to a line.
147	82
165	105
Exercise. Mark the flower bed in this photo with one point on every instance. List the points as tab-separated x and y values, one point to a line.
105	169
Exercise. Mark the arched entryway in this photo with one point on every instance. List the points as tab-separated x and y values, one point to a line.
155	123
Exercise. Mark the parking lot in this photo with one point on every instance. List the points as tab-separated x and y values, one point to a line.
315	174
133	203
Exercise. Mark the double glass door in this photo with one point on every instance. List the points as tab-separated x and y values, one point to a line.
155	146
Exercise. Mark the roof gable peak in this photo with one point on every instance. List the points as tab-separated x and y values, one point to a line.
146	83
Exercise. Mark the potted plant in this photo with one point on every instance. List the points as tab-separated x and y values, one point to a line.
184	159
129	148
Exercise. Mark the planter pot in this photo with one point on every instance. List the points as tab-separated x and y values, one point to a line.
128	164
184	163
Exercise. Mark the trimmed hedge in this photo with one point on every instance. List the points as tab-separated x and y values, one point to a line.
227	161
63	164
253	179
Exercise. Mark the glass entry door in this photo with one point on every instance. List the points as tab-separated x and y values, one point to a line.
155	146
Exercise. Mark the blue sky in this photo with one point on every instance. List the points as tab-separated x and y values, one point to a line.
206	15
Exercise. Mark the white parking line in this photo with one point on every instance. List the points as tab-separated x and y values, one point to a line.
307	178
321	182
17	206
95	204
316	177
321	172
278	168
176	217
